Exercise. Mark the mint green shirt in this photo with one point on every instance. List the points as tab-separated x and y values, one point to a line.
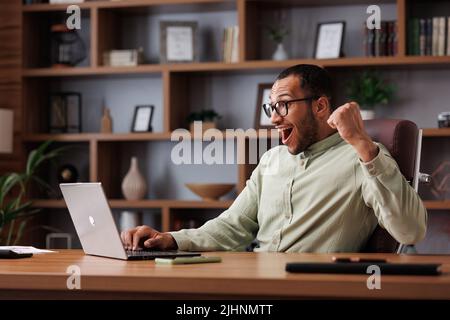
321	200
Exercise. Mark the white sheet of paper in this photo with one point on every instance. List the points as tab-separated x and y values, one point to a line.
329	41
264	120
179	44
142	119
24	249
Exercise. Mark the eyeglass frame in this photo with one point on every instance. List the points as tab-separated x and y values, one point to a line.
275	108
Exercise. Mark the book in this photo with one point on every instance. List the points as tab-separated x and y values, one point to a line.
441	37
429	37
415	36
422	36
369	42
230	44
448	36
435	34
235	45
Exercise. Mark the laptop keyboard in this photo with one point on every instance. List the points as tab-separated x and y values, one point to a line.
148	253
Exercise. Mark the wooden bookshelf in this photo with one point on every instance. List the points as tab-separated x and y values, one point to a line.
36	80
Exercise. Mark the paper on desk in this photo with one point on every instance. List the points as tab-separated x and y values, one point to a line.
24	249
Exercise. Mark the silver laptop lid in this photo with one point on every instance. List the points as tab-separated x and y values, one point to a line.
93	219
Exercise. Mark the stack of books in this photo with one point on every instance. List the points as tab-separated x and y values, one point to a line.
381	42
231	44
429	36
123	58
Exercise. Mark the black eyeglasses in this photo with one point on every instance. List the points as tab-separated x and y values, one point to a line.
281	107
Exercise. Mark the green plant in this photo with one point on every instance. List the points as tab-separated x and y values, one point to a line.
369	89
277	33
13	190
203	115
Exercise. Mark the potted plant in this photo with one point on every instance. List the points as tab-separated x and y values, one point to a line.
15	210
277	33
368	89
208	118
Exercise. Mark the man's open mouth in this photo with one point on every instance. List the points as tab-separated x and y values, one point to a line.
285	132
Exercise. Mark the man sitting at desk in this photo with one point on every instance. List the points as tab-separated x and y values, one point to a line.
333	185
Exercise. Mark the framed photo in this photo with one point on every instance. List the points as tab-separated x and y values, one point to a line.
261	119
142	119
329	40
65	112
178	41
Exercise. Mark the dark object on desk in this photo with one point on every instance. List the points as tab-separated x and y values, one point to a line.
429	269
444	120
10	254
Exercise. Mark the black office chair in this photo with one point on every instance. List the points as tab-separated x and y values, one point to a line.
403	139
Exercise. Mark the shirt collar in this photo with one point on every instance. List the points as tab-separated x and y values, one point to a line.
323	144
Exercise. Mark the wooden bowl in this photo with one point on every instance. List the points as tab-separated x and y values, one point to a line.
210	191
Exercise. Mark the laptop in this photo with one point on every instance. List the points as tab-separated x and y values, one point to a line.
95	226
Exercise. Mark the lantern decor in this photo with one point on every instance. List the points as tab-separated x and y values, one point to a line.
68	49
65	112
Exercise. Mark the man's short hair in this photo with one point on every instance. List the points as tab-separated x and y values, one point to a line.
314	80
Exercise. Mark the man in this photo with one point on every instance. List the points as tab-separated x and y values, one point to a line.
332	187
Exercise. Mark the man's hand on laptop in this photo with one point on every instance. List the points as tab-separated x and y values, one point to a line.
146	237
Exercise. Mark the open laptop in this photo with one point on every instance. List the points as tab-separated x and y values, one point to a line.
96	228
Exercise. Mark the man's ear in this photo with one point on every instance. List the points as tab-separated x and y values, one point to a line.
323	107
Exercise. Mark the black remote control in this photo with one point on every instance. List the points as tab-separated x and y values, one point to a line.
10	254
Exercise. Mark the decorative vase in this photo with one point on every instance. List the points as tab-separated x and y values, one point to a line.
367	114
280	53
106	125
134	186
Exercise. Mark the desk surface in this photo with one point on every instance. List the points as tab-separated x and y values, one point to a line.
253	275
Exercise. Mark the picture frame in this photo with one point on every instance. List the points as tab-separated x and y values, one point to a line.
65	112
178	41
142	118
329	40
261	119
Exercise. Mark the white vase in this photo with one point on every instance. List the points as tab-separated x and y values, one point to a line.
367	114
280	53
134	186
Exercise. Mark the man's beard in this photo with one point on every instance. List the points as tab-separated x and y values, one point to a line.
309	133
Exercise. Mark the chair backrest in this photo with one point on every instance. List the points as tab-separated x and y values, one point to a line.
400	138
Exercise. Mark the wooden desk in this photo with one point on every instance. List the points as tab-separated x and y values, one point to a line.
240	275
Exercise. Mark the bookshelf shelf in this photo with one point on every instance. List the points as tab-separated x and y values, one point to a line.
188	204
436	132
437	205
241	66
143	204
46	7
